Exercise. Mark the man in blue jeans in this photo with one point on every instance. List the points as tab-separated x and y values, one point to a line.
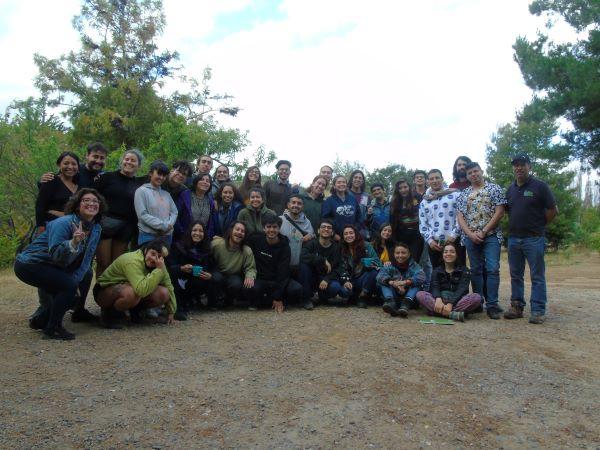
531	206
480	207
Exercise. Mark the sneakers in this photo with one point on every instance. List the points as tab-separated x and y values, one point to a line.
514	312
390	307
58	333
459	316
82	315
153	313
308	305
494	312
537	319
403	309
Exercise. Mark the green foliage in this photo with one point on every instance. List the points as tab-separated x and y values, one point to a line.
549	161
587	233
564	76
387	175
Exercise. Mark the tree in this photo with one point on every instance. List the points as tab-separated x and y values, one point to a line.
536	135
564	76
110	88
388	176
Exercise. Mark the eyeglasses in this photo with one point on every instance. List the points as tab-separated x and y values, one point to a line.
326	227
90	201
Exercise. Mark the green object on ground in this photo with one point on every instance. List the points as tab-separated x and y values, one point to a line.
435	320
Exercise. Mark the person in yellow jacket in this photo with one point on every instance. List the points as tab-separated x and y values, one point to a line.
134	281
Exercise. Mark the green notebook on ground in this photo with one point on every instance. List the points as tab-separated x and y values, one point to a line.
435	320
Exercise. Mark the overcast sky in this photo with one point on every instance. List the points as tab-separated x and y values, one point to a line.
416	83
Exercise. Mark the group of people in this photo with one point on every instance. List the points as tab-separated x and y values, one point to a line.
165	239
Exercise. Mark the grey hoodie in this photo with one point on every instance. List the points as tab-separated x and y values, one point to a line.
155	210
294	236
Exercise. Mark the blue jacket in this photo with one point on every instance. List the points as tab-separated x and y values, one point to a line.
228	219
381	215
184	219
392	272
53	247
346	212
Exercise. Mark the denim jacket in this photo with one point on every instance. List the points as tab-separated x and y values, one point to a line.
53	246
392	272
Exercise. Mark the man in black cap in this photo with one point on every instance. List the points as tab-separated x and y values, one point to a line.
531	206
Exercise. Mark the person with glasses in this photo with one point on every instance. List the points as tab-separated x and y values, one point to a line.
322	268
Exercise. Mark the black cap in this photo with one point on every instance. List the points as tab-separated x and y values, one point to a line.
520	157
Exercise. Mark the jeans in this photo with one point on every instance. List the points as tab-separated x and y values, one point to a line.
425	264
530	249
365	282
144	237
309	279
59	284
485	255
390	294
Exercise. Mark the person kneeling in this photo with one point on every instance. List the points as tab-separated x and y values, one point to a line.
400	282
135	281
449	295
272	256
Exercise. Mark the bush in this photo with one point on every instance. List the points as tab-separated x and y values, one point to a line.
8	248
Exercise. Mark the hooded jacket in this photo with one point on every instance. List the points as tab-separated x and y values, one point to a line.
253	218
342	212
150	204
294	236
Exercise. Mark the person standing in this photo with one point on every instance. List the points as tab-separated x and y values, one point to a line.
95	160
459	173
341	207
313	198
531	206
228	204
378	211
405	218
420	182
252	178
253	214
196	204
220	176
480	208
297	229
437	218
278	191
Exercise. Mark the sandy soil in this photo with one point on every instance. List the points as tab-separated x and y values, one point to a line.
333	377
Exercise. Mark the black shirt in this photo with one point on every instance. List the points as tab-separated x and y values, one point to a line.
53	194
272	261
118	191
527	207
86	176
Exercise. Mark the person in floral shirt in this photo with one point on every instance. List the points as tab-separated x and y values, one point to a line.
480	207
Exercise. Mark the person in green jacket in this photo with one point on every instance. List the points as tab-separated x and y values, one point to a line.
135	281
252	214
313	198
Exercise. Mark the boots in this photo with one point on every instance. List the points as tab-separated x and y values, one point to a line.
362	300
514	312
389	306
459	316
403	307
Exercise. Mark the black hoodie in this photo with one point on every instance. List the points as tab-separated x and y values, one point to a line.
272	261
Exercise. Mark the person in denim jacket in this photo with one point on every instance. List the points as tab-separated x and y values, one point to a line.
59	260
400	282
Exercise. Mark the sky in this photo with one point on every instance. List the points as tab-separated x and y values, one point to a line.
379	82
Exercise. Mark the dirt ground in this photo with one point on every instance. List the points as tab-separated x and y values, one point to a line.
333	377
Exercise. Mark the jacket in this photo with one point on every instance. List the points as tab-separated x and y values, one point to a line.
150	206
272	261
342	212
450	286
223	220
53	247
180	256
314	255
131	268
184	219
294	236
413	272
312	209
381	215
356	270
253	218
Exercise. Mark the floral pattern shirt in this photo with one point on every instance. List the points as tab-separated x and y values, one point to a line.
478	206
437	218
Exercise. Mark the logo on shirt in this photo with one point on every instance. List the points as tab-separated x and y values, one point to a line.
527	193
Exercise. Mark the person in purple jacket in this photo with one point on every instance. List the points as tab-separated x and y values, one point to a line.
198	205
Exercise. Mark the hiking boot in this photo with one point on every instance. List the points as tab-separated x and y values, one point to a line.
390	307
459	316
403	309
82	315
180	315
107	319
494	312
514	312
308	305
362	300
37	323
537	319
58	333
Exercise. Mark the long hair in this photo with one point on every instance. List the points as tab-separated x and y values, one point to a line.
198	177
400	203
357	248
229	231
186	240
247	184
379	244
454	170
337	177
309	189
351	177
72	205
236	193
